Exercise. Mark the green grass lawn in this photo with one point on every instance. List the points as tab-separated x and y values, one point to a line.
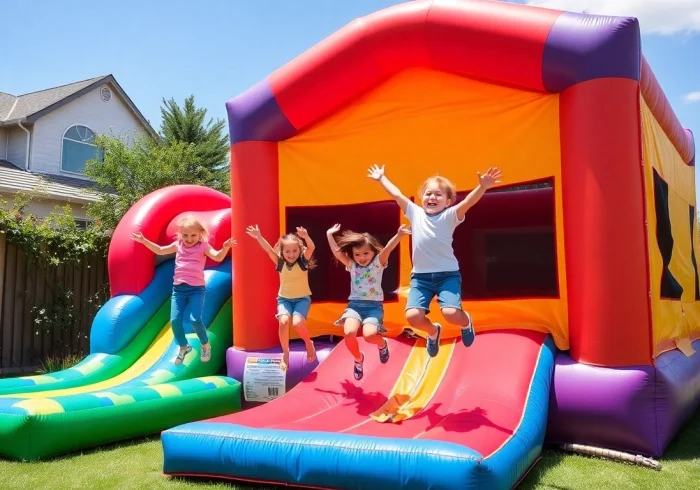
137	464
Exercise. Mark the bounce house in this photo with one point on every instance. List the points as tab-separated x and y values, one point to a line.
580	270
129	386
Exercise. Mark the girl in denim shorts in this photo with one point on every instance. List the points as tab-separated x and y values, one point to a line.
292	256
365	259
435	267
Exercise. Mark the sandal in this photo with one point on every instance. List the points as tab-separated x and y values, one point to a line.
182	354
206	353
384	353
357	369
283	364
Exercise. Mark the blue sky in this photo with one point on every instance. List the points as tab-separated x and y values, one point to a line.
216	49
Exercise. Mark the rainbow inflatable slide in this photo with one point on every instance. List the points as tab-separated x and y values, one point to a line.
129	386
580	270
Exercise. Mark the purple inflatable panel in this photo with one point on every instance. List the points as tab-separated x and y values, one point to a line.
299	367
636	409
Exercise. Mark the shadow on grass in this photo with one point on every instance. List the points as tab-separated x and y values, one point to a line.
127	443
684	447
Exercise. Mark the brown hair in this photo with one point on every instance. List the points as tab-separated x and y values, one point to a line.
445	185
293	238
191	221
351	239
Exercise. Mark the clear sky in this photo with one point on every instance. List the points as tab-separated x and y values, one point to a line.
216	49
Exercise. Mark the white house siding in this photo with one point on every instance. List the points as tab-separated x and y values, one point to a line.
113	117
3	143
42	206
17	145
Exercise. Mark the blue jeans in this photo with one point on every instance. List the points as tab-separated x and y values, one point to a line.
186	308
364	311
294	306
447	286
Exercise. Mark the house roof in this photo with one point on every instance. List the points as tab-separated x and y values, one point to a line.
29	107
14	179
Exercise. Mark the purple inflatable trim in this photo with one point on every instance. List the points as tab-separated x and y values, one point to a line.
583	47
637	409
255	115
299	367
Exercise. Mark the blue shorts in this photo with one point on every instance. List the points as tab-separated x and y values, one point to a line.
447	286
371	312
294	306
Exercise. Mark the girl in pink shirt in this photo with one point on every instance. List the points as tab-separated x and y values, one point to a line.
191	251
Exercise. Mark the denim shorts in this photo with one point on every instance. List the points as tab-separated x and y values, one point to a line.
293	306
371	312
447	286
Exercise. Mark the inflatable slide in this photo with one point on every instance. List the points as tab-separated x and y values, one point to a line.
580	270
129	386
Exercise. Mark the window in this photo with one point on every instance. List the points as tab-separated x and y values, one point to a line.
78	148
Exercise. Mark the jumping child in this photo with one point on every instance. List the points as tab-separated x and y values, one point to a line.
435	267
292	255
365	259
191	250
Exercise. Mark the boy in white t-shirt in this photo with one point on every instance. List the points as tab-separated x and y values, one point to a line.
435	268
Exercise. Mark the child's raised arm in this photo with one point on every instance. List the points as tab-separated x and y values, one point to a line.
254	231
219	255
342	258
391	244
486	181
153	247
310	245
377	173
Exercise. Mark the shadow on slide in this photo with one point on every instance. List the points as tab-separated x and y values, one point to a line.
468	418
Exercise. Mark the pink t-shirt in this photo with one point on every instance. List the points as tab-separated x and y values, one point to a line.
189	264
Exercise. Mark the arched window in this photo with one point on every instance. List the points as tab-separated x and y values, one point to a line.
78	148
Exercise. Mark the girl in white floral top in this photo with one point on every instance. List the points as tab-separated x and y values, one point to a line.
365	259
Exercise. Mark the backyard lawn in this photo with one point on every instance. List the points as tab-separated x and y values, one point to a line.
137	464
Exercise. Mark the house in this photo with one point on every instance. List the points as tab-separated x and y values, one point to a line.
47	136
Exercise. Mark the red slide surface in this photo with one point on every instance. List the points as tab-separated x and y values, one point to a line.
476	398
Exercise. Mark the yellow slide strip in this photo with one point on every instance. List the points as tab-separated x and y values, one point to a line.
149	358
417	383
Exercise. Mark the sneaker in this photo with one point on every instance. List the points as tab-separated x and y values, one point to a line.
433	345
206	353
181	355
384	353
357	370
467	331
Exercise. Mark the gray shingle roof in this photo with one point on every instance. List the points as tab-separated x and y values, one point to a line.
14	179
28	104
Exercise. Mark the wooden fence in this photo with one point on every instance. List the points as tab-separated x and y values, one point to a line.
32	326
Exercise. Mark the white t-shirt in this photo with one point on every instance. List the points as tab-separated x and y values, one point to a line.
366	282
432	239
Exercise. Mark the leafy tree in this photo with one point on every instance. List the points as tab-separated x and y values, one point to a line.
127	173
186	124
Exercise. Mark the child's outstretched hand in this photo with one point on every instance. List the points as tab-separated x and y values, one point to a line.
334	229
138	237
490	178
253	231
404	230
375	172
301	231
231	242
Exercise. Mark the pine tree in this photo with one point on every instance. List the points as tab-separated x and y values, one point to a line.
186	125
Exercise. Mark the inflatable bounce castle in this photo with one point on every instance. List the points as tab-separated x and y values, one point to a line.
580	269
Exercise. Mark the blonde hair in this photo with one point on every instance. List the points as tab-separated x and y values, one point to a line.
191	221
352	239
444	183
290	238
